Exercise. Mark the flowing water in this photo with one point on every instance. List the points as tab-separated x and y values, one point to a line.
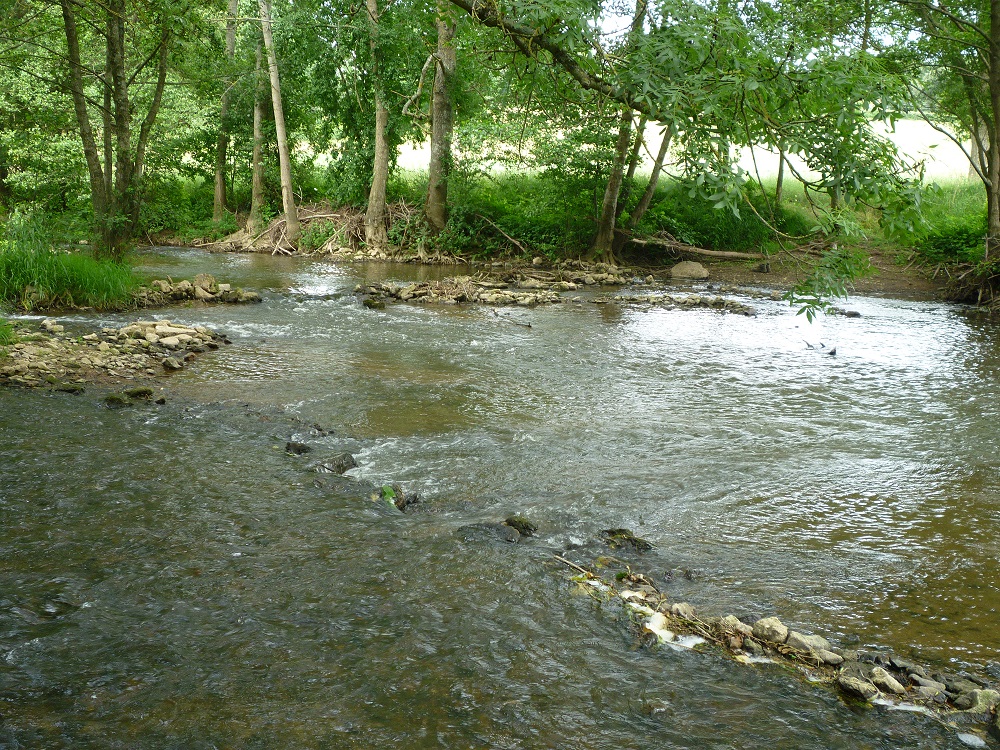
171	578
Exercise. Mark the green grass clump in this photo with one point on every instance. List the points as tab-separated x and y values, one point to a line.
35	276
7	335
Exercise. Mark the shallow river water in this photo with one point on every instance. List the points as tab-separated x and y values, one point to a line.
170	578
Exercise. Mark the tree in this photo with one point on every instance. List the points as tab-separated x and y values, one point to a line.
219	202
376	231
955	82
292	230
442	122
116	174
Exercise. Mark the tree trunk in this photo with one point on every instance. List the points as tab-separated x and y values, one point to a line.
255	222
115	198
779	184
442	124
222	145
292	230
98	193
376	236
602	249
654	178
633	164
993	157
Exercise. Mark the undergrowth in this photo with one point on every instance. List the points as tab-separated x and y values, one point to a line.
33	275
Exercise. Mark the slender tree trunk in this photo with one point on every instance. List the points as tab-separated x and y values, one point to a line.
654	178
779	184
292	230
255	222
602	249
993	157
222	145
98	192
116	197
633	164
376	235
442	124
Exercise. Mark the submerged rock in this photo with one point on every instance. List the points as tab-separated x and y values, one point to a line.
489	532
297	449
623	538
337	464
523	525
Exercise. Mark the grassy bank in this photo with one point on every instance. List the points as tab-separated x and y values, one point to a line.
34	275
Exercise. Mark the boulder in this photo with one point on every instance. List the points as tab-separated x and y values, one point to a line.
206	282
926	693
203	295
829	657
857	687
688	269
523	525
886	682
337	464
807	642
770	629
928	683
733	624
183	289
297	449
171	363
978	701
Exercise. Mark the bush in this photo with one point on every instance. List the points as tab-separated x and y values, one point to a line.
955	239
33	275
695	221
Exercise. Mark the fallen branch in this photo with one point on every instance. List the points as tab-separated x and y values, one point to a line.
518	244
574	566
680	247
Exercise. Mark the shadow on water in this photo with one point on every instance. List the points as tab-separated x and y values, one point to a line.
172	578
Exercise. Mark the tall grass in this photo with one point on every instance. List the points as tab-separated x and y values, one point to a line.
33	275
7	335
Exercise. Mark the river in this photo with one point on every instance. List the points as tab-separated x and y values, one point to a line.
172	579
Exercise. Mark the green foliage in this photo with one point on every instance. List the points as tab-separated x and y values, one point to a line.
695	220
838	267
33	275
959	238
956	224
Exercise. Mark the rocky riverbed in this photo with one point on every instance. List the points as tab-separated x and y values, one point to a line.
965	701
48	356
529	286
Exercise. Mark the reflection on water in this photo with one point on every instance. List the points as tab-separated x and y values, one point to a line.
172	579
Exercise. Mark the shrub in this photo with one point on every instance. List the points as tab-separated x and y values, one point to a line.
695	221
955	238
